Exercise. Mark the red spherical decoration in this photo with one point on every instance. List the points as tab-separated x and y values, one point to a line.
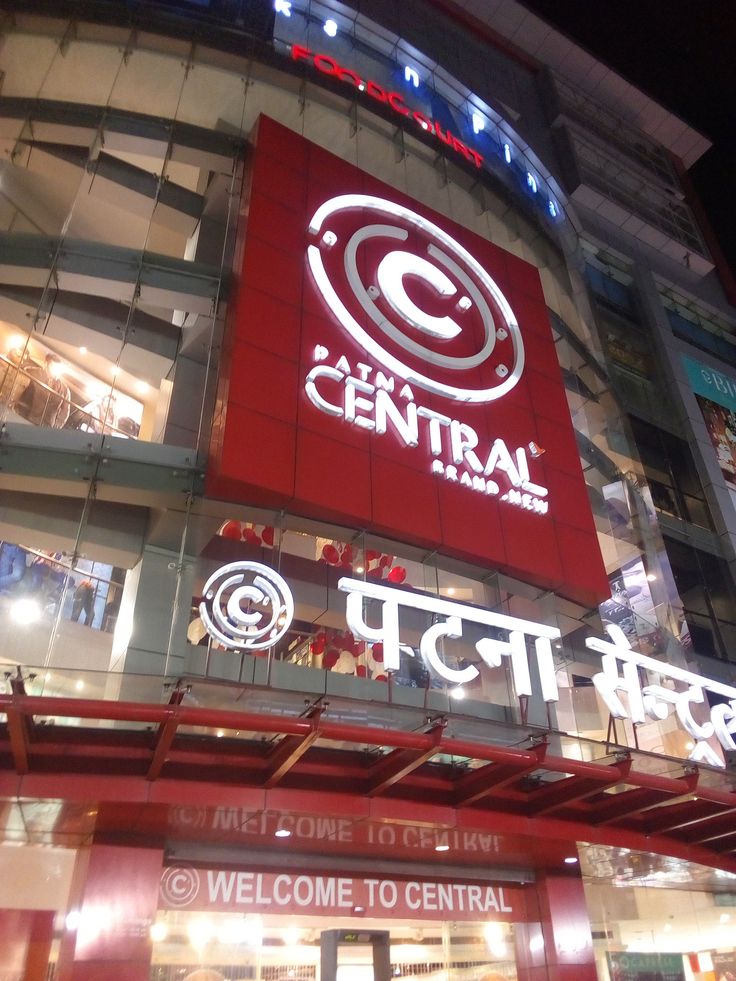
371	555
319	643
267	535
330	659
397	574
250	536
347	554
380	677
385	561
361	671
377	652
330	555
231	529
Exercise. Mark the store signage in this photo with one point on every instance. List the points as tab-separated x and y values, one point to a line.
621	666
405	342
387	369
234	600
327	65
226	890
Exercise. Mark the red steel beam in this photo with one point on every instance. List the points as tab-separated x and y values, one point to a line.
604	774
290	750
399	763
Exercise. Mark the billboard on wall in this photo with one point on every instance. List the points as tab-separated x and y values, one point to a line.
387	369
715	393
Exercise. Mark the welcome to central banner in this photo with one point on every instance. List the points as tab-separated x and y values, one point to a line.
227	890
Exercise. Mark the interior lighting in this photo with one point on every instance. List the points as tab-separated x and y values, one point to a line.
79	685
115	370
282	7
411	75
142	387
330	28
16	343
725	917
359	569
282	833
450	590
25	611
531	181
571	860
553	209
458	694
73	919
442	848
495	937
83	350
159	931
200	932
292	935
479	123
507	153
220	733
651	577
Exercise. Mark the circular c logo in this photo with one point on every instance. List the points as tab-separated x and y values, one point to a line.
426	310
179	887
246	606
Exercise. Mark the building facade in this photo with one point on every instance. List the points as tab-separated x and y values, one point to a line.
367	468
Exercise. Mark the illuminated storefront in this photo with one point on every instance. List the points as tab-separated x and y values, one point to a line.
348	625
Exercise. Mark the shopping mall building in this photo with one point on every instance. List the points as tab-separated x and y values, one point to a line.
368	471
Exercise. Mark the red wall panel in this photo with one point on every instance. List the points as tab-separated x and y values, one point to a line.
273	446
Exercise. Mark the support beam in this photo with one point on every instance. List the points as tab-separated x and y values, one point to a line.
289	750
397	764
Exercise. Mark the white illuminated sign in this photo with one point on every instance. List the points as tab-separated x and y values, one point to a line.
379	399
246	606
443	256
254	616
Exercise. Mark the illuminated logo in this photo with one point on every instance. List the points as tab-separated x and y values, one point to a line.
414	299
179	887
246	606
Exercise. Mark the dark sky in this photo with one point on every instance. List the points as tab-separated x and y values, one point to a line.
683	54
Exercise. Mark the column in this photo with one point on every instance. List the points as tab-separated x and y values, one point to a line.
113	902
560	946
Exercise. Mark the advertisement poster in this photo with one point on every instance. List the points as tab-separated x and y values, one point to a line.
646	967
724	966
716	396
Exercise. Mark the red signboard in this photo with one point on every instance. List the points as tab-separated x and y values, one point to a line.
387	369
246	891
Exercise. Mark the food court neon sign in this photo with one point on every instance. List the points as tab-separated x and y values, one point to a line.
327	65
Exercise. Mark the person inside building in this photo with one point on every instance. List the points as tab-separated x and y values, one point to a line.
46	399
12	565
84	602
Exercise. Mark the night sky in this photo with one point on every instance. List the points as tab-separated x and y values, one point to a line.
682	54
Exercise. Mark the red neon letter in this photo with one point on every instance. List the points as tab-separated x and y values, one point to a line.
477	158
397	103
345	75
330	65
298	51
375	91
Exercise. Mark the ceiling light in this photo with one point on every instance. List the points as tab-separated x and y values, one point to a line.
450	590
83	350
330	28
79	685
159	931
283	833
571	860
442	848
651	577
